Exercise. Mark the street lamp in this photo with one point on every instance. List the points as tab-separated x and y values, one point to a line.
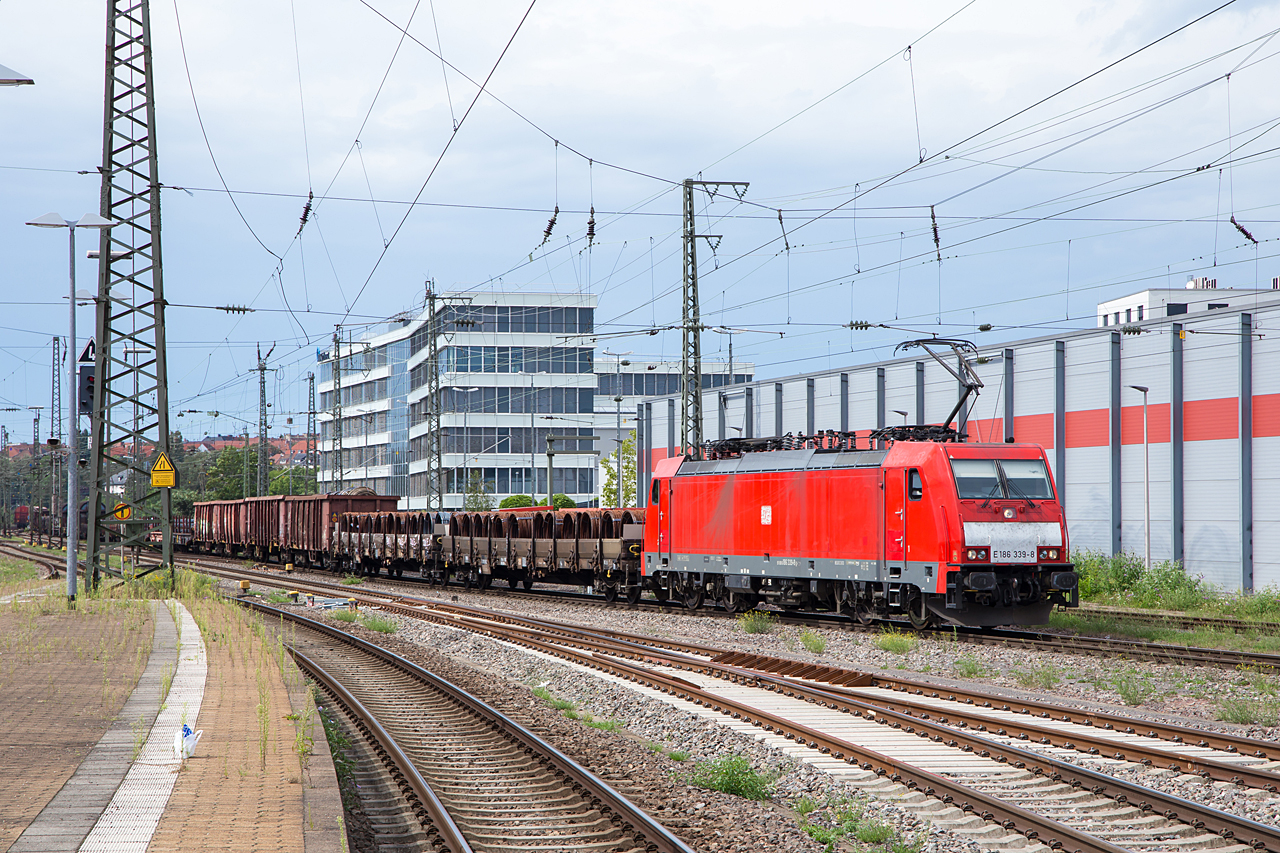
904	415
55	220
9	77
1146	474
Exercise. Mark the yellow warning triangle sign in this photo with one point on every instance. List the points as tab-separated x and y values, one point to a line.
163	475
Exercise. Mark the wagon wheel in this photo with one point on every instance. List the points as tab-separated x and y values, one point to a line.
527	583
634	593
610	591
693	595
512	581
466	580
484	582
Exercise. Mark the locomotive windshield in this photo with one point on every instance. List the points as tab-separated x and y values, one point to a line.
982	479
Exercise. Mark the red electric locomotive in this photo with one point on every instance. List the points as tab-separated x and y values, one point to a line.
930	530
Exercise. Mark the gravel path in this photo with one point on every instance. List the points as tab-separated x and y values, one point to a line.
712	821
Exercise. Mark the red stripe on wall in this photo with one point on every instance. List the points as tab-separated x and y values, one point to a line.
1087	428
1131	423
1266	415
1035	429
1207	420
985	429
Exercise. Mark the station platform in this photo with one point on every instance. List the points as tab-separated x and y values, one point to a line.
260	779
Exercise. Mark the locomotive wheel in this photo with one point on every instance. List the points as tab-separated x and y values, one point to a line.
921	616
734	602
693	596
634	593
862	614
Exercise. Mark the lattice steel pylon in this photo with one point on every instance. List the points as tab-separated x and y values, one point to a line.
337	466
435	442
311	421
691	321
130	302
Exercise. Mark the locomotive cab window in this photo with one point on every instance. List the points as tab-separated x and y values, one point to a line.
1027	478
915	485
653	493
982	479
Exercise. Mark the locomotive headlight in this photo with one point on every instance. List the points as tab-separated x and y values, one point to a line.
1010	512
977	555
1049	555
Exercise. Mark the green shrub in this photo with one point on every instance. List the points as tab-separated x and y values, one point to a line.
279	598
898	642
731	774
344	615
515	502
561	501
379	623
813	641
757	621
352	580
1124	579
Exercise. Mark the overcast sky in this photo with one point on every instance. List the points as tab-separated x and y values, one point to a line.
1041	212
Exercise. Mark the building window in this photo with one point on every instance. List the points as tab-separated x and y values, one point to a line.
1128	315
1117	318
1106	321
1139	313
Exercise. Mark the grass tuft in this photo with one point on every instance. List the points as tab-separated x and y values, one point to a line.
1249	712
757	621
344	615
1133	687
1043	677
379	623
895	641
813	641
970	667
678	755
605	725
731	774
352	580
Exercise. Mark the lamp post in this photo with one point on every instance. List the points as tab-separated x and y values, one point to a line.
466	440
1146	474
904	415
617	399
55	220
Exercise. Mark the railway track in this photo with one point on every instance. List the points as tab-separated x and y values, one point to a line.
1174	619
484	782
1044	641
978	757
49	565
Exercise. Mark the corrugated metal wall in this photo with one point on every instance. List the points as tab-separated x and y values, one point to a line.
1100	424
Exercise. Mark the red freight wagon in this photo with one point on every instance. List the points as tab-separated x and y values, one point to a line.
262	525
308	523
219	526
933	530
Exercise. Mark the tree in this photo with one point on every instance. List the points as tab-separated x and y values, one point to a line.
303	482
515	502
611	496
477	497
562	501
225	480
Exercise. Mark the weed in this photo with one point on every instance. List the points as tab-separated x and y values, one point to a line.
731	774
874	832
571	714
278	598
344	615
352	580
605	725
895	641
264	719
827	835
678	755
1043	677
911	845
1249	712
379	623
805	806
757	622
166	682
1133	687
653	746
970	667
813	641
550	698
